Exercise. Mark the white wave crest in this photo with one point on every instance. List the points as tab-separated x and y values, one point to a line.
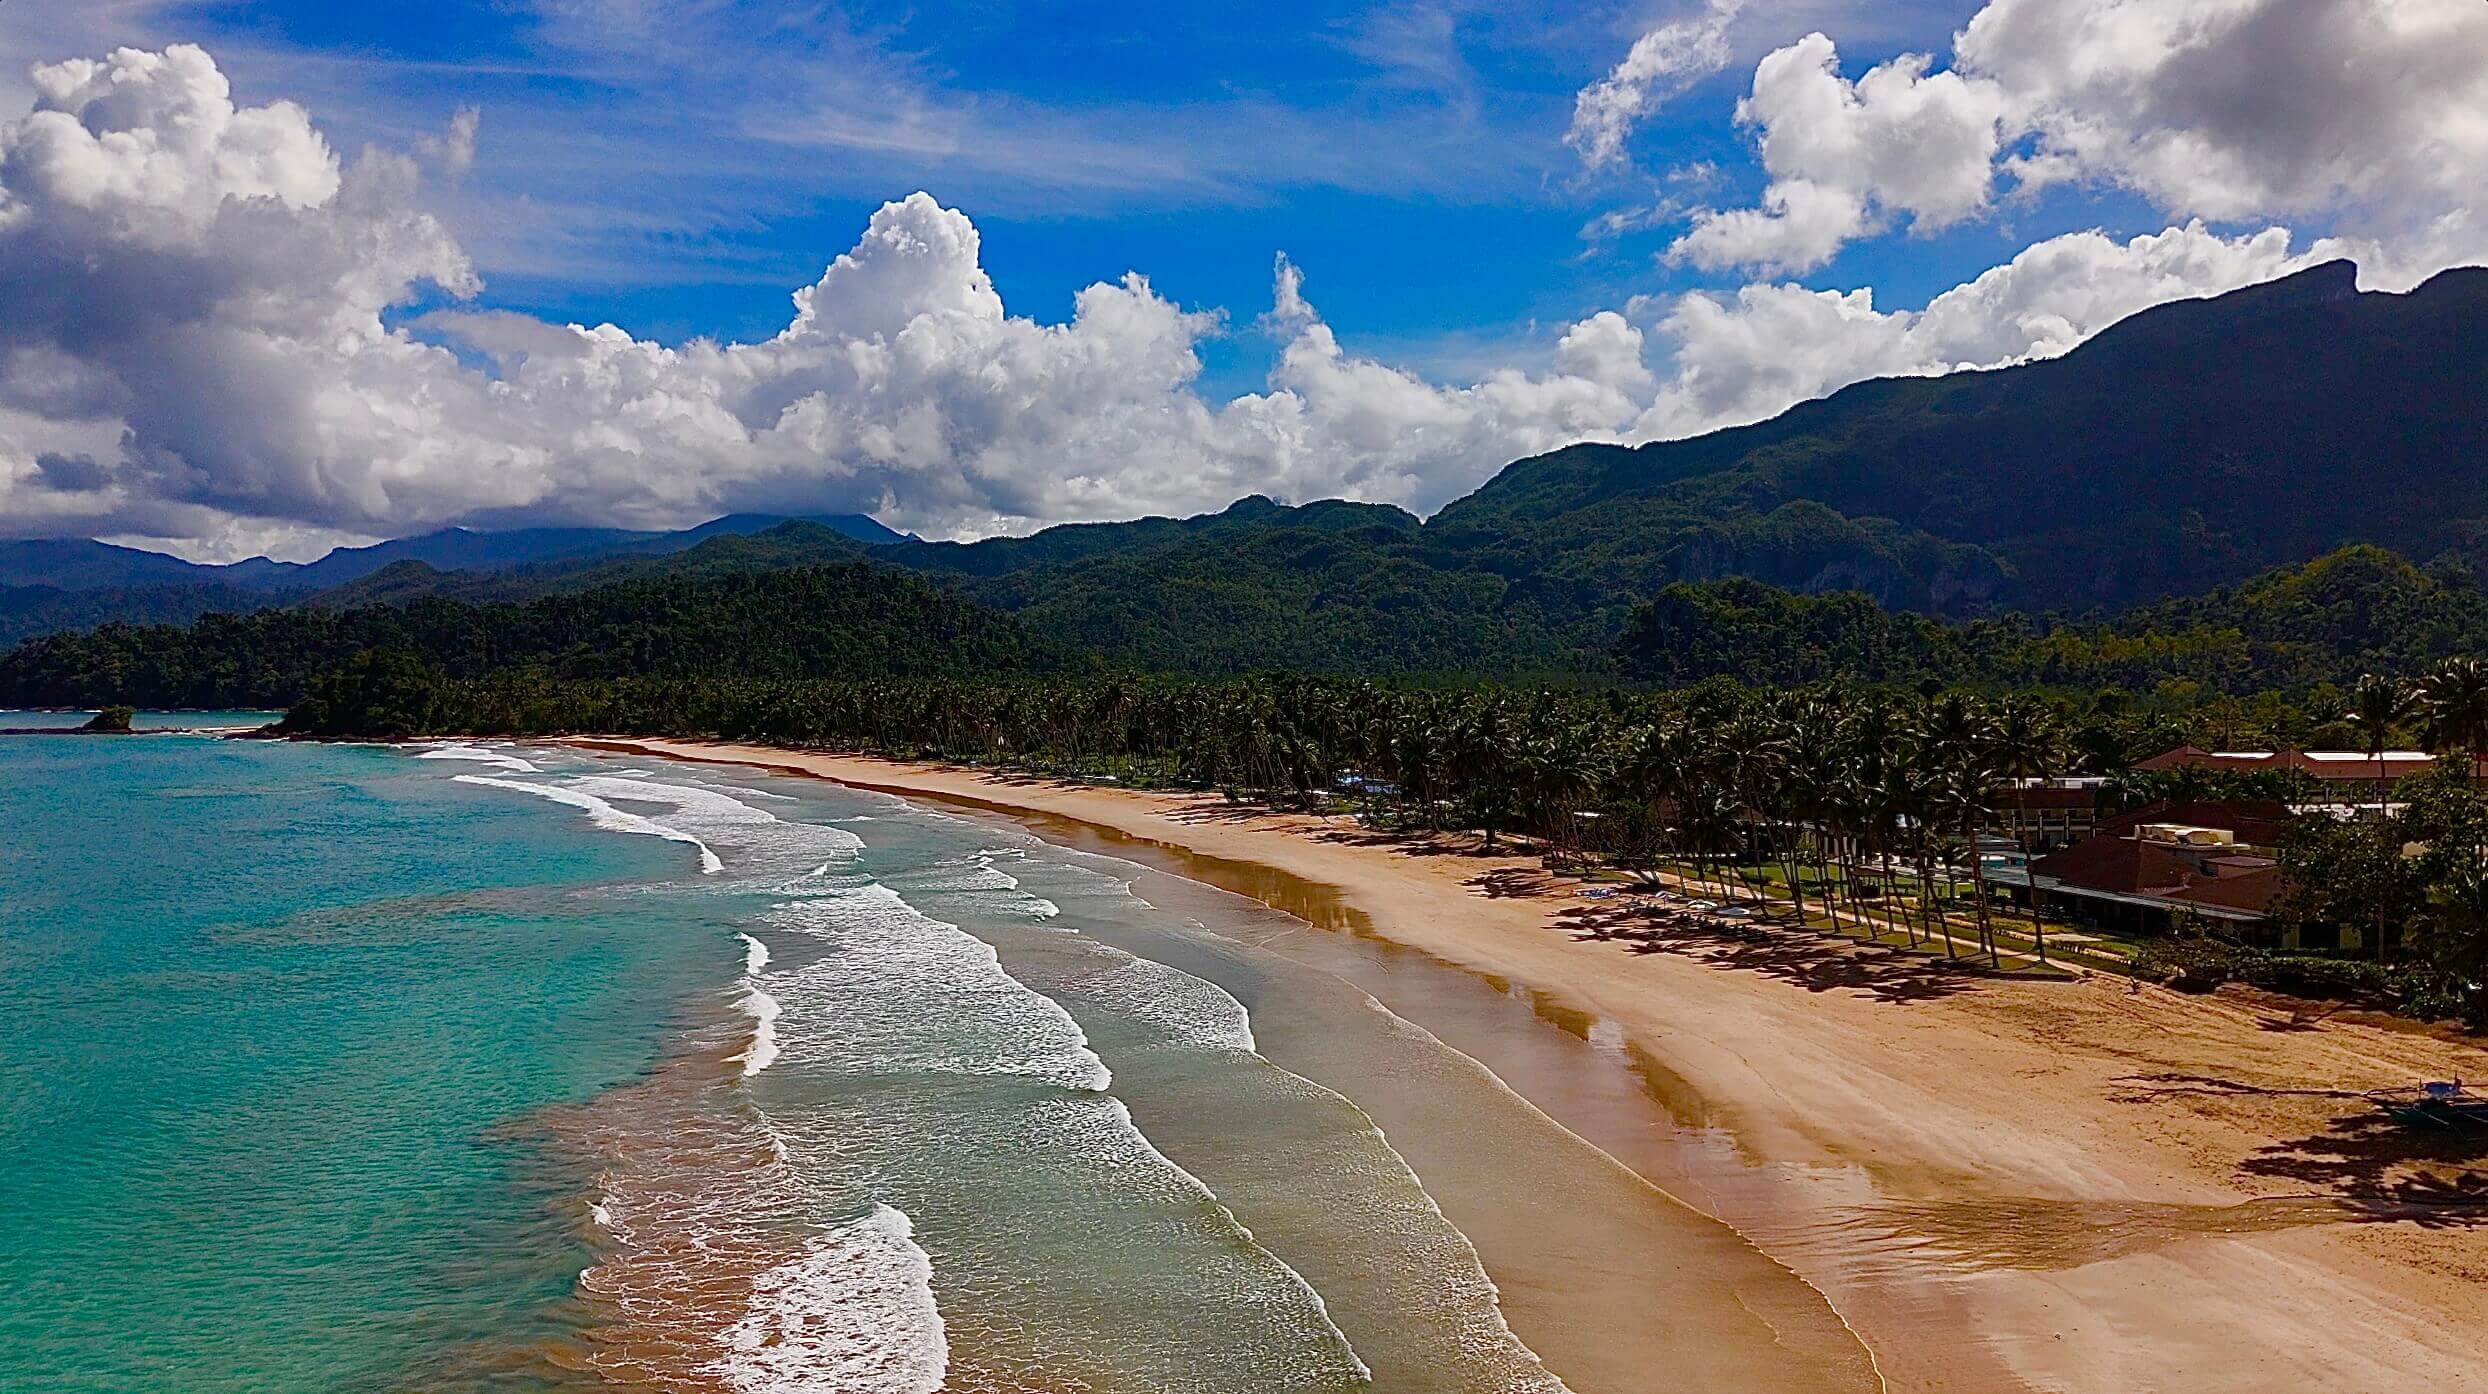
1193	1011
763	1051
903	991
755	955
854	1315
759	839
478	755
603	815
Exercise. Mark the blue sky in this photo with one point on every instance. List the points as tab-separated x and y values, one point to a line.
1506	227
677	168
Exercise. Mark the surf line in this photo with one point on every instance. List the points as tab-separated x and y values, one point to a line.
604	815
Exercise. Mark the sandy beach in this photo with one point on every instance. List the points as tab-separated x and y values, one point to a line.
1997	1185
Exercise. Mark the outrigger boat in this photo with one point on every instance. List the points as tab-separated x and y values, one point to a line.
2437	1104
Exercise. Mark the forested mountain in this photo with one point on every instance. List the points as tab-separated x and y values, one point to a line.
2189	446
2359	610
26	611
1328	587
77	564
802	622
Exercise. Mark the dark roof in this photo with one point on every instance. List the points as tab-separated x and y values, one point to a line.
2125	865
2253	890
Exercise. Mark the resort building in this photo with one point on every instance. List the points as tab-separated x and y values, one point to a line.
2164	867
2043	814
2338	776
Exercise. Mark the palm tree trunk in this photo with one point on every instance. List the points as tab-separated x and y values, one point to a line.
1986	925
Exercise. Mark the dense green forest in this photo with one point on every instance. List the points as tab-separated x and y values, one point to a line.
2189	446
2309	630
29	611
850	620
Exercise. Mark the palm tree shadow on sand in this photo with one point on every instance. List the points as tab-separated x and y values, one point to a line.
1803	957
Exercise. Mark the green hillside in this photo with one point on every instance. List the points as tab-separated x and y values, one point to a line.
2294	629
804	622
2187	447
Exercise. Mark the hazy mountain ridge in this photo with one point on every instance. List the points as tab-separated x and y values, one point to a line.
74	564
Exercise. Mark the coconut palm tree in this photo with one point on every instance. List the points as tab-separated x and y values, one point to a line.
2029	744
2454	699
2379	706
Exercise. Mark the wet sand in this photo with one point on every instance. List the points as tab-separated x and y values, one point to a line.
1998	1185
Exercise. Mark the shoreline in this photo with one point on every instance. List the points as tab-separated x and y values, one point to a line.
1997	1185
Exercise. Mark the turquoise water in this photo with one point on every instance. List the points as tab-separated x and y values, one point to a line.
142	721
354	1068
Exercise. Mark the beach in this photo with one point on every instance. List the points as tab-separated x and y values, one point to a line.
1995	1185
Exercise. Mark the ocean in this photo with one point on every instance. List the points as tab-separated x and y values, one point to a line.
504	1067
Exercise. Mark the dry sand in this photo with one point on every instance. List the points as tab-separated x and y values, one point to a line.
2000	1185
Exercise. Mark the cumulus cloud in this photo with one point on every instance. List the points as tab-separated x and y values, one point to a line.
1749	356
205	335
2248	108
2368	113
1660	64
1844	156
453	150
216	330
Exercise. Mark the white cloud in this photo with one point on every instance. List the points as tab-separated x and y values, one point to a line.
2371	115
2249	108
453	150
195	334
1660	64
1747	357
200	341
1843	156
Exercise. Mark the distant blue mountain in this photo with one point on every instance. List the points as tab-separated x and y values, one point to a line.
78	564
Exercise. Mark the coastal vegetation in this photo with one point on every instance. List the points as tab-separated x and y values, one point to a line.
1807	654
1856	809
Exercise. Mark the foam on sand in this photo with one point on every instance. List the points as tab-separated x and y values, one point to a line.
603	815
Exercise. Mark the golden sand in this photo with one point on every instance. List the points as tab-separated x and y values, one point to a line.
1999	1185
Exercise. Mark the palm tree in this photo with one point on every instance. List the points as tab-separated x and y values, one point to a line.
2454	699
2378	707
2029	745
1961	740
1482	751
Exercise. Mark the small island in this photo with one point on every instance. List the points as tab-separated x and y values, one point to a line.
111	721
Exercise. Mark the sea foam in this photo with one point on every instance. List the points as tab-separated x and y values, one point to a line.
894	972
854	1314
760	840
481	756
763	1051
603	815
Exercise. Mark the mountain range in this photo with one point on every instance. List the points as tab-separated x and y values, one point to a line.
48	584
2188	448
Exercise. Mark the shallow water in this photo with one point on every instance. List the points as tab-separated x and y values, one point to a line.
491	1066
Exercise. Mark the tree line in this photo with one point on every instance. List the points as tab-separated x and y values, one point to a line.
1854	803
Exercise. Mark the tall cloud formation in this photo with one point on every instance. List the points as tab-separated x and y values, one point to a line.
201	339
2365	112
216	331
